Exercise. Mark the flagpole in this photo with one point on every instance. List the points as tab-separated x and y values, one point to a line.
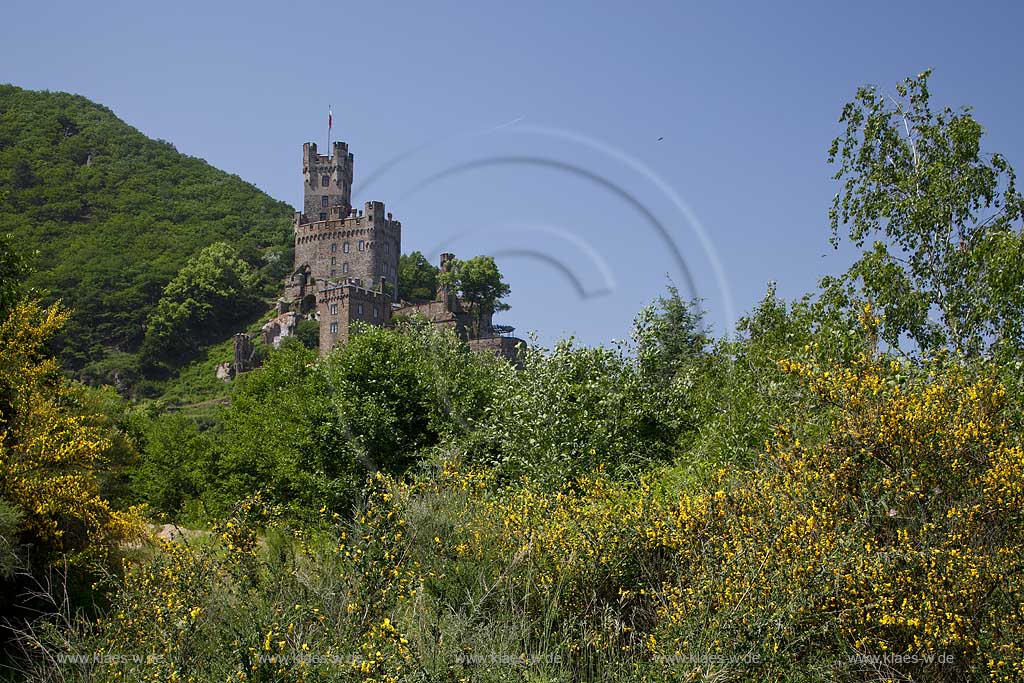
329	130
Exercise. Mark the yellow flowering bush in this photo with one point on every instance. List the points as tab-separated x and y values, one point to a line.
896	534
48	456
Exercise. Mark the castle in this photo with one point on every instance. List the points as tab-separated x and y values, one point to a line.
346	267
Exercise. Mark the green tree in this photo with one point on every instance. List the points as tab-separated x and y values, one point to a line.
308	332
177	464
22	176
402	390
214	290
282	435
946	271
417	278
572	409
478	282
13	270
670	334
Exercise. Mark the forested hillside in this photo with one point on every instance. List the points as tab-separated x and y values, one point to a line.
114	216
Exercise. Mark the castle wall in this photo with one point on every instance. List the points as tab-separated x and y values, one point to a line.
338	306
503	347
439	313
373	242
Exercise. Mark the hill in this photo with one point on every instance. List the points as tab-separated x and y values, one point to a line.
113	215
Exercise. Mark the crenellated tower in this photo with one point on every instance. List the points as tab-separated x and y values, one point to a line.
343	255
328	180
346	266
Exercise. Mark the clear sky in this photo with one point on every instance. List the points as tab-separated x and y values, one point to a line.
586	145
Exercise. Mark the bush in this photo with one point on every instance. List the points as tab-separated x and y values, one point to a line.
571	410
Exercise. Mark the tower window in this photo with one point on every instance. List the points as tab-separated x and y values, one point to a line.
333	272
323	201
323	216
375	312
359	309
334	260
344	267
325	180
334	247
362	245
344	247
334	328
387	247
334	309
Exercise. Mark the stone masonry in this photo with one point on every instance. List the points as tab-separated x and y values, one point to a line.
346	265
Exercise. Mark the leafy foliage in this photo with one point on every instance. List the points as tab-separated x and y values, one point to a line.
49	457
210	295
12	270
571	410
478	282
948	274
114	215
417	278
282	435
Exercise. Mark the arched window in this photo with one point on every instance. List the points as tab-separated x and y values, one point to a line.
325	180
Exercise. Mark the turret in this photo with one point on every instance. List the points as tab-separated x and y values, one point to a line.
442	293
328	180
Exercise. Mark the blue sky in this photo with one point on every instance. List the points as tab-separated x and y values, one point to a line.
586	145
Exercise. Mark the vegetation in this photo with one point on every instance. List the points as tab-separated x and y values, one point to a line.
834	493
113	216
210	295
478	282
417	278
948	275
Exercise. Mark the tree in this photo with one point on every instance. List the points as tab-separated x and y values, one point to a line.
22	176
177	464
670	334
946	271
308	332
417	278
50	456
282	436
12	270
478	282
211	292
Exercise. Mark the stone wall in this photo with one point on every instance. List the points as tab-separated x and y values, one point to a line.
338	306
373	241
503	347
339	169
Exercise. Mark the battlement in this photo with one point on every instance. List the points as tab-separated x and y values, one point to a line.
348	228
371	222
351	287
340	156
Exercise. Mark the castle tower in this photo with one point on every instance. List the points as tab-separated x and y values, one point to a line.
340	248
328	180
